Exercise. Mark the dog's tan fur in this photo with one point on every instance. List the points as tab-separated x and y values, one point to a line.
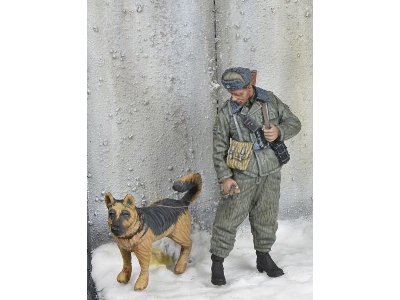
133	234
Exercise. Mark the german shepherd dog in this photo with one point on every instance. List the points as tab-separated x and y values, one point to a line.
135	229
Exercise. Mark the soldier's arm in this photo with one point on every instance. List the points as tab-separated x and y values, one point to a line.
221	141
289	124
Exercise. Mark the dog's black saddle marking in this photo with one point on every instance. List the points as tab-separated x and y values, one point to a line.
162	214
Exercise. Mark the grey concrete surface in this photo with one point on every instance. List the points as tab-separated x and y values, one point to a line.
153	93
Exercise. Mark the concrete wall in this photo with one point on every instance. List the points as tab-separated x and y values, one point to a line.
275	38
153	93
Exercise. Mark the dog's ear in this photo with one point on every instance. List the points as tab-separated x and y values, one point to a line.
129	200
109	199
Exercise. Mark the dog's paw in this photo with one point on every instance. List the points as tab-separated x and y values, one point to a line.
181	264
141	283
180	268
123	277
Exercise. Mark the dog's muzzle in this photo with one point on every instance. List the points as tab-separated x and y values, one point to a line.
117	230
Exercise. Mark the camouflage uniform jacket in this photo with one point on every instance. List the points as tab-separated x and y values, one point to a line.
262	162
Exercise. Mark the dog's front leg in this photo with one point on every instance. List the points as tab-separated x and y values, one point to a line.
143	254
125	275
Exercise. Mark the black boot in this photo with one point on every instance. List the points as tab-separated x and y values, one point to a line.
265	263
217	270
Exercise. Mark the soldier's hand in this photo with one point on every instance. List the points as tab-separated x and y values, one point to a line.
227	184
271	134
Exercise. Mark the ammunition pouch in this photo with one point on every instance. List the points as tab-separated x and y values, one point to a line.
239	155
281	151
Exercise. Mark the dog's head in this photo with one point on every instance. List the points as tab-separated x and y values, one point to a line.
122	216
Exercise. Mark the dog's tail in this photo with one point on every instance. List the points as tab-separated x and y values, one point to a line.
191	183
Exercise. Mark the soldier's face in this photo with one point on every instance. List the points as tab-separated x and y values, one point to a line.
242	96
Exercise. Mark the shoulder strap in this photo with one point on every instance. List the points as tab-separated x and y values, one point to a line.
236	123
265	114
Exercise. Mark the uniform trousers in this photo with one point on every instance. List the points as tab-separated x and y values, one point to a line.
259	200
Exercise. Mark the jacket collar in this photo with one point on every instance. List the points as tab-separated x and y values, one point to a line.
260	95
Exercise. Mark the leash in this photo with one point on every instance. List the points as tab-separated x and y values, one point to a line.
167	206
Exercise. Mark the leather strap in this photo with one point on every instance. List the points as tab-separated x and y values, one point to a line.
236	122
265	114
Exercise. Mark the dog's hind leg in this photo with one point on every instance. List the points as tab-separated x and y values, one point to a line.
181	236
125	275
181	264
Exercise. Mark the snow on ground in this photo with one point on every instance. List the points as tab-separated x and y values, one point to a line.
293	252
